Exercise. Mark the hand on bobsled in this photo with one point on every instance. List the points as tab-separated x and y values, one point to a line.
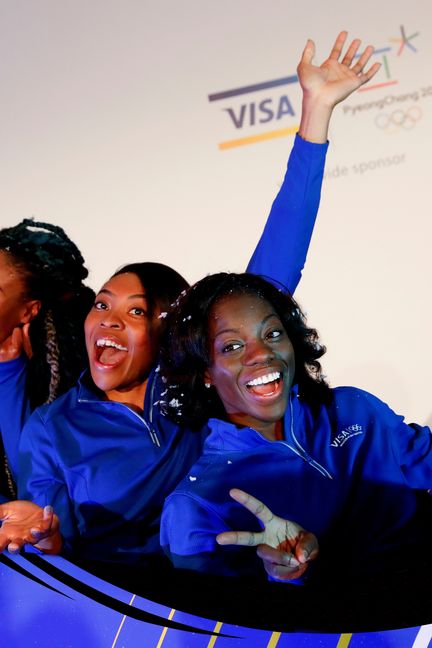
284	546
24	522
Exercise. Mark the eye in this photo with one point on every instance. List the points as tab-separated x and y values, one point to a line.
274	334
100	305
231	346
139	312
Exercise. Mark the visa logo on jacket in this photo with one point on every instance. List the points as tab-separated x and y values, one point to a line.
347	433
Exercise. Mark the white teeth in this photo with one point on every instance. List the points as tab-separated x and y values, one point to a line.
110	343
263	380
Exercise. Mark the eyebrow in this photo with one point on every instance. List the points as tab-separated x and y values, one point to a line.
109	292
234	330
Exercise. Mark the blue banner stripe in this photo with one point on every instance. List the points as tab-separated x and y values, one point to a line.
253	88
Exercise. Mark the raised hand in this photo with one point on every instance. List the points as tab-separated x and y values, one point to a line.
327	84
26	523
334	80
16	343
284	546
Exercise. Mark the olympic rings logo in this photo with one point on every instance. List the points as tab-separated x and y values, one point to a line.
399	118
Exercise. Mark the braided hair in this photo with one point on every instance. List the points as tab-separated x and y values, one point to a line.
53	271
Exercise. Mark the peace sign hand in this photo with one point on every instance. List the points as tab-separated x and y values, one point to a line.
284	546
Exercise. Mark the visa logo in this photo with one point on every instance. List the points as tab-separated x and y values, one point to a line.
262	112
347	433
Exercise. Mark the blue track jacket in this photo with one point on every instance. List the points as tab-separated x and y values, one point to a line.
107	470
280	255
348	474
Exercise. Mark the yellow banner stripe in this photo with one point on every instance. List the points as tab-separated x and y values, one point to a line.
212	641
274	640
344	641
165	630
121	624
254	139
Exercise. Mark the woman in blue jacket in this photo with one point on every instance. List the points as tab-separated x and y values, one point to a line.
104	455
43	304
337	462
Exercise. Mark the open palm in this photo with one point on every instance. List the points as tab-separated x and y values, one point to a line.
335	79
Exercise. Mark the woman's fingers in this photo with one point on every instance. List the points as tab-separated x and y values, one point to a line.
243	538
253	505
351	52
307	547
280	564
44	528
308	52
338	45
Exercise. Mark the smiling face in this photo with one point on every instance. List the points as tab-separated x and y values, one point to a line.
120	340
15	308
252	361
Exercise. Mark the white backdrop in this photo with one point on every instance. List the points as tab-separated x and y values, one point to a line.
106	128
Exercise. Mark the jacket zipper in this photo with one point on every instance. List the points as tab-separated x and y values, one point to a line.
150	427
153	436
302	452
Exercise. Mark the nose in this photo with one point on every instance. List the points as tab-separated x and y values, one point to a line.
258	352
111	320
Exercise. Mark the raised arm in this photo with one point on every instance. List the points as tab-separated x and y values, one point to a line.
281	251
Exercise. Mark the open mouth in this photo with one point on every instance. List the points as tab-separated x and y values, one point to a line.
109	352
266	385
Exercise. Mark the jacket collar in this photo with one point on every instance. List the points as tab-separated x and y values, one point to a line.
228	436
89	393
87	390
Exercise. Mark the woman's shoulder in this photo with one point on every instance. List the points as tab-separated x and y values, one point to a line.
60	406
355	399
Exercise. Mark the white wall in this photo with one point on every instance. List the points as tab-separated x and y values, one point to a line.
106	129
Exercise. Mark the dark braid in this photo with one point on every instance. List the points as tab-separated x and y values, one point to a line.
53	270
53	356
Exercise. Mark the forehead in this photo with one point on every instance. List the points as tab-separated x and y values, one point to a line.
234	311
124	284
6	261
9	270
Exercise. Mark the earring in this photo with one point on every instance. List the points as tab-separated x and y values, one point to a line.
207	385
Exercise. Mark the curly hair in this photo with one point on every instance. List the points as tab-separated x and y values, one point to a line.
53	270
185	354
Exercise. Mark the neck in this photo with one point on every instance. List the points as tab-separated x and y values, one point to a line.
273	431
133	397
